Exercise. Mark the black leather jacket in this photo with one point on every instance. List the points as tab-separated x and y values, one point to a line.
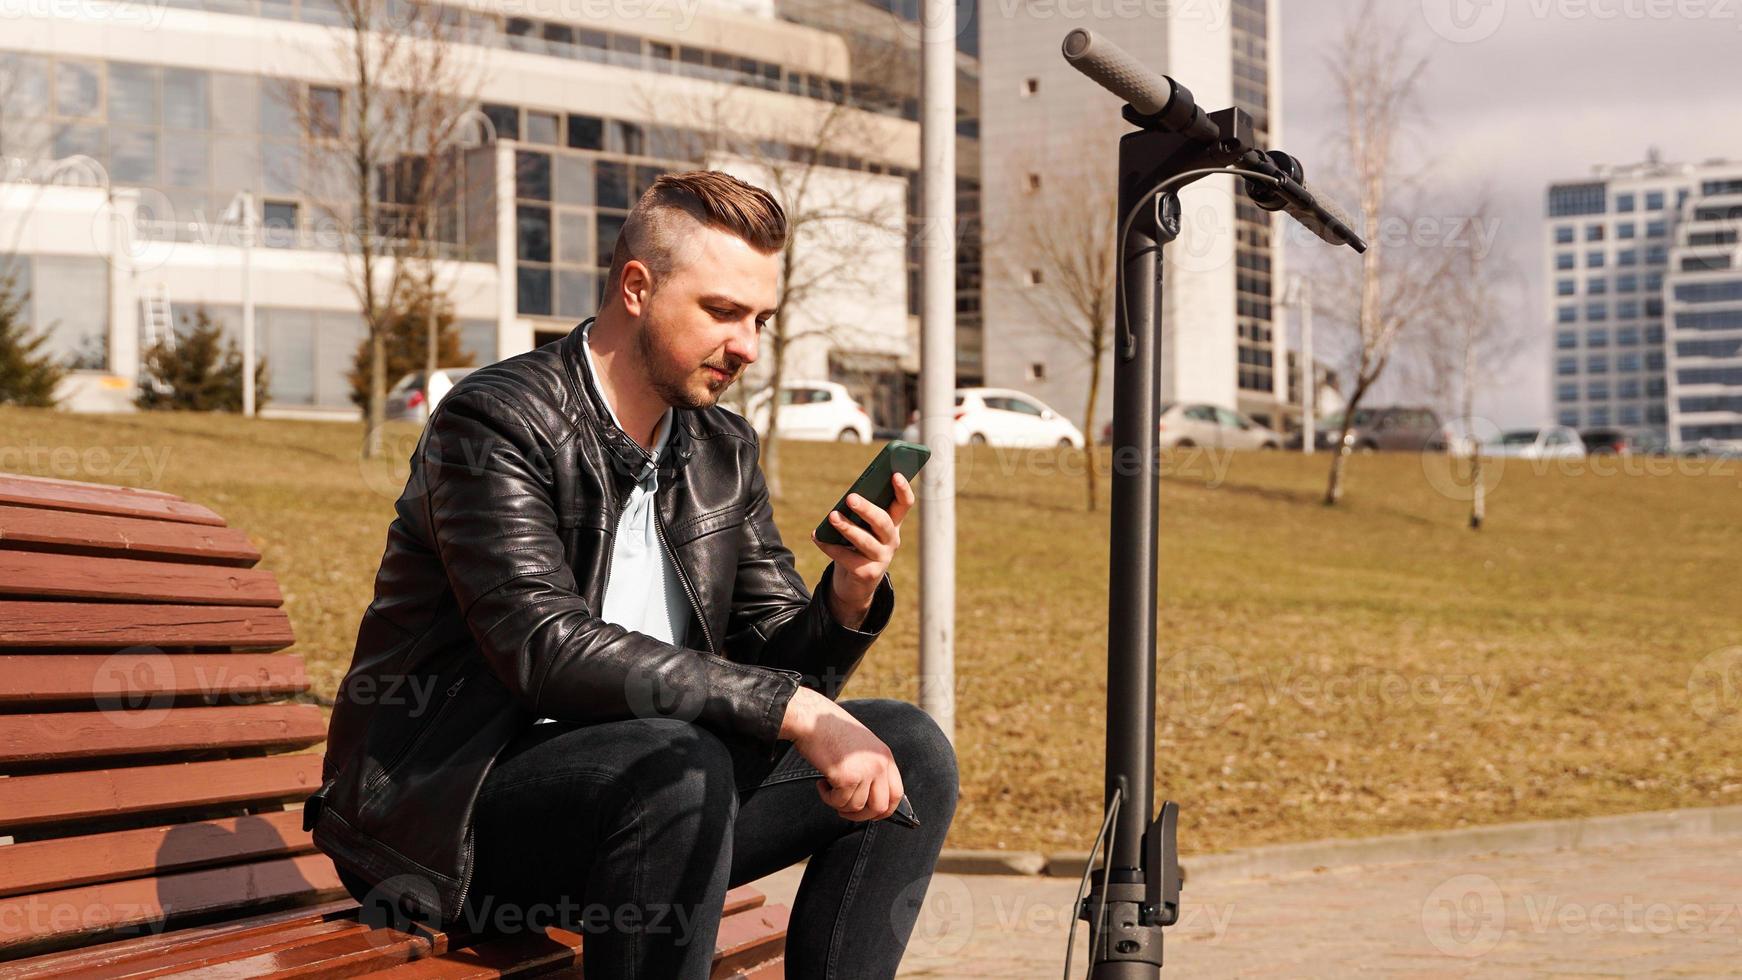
485	613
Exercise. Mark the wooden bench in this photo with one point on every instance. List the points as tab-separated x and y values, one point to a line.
155	747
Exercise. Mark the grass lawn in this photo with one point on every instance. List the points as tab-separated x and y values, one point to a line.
1324	672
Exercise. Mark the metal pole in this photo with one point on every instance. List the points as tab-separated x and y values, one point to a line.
937	538
248	352
1309	374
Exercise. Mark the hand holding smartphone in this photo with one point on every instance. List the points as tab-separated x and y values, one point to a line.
876	484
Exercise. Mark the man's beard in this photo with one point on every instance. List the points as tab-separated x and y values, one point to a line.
675	387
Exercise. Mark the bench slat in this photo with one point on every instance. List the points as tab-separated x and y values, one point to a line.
63	797
123	957
99	535
140	491
64	735
46	574
68	861
355	954
138	678
102	499
26	919
85	624
750	932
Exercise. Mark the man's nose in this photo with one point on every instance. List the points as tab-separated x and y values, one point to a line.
742	345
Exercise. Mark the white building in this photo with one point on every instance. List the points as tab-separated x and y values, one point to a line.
127	130
1049	135
1642	266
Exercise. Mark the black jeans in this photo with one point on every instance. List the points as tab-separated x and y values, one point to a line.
630	832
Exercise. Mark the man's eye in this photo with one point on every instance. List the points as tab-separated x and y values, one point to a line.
722	314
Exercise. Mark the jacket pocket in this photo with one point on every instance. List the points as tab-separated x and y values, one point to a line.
384	775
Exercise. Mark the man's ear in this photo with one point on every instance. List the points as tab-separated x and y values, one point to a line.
635	286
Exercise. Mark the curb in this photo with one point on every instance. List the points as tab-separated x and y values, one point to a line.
1577	833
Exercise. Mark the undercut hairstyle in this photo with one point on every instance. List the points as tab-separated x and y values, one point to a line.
657	230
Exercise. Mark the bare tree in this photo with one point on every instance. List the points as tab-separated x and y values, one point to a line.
1065	234
1473	335
381	157
801	158
1377	78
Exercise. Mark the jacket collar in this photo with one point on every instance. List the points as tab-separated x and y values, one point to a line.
627	456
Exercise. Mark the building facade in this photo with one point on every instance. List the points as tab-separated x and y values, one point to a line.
1048	141
1646	292
127	134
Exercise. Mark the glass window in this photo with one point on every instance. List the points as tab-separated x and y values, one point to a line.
1599	415
1628	388
235	103
278	224
577	292
574	237
532	175
1656	229
1597	287
1593	260
1563	234
1624	230
586	132
533	290
1565	287
184	99
335	352
1597	364
1597	391
1596	311
1627	257
574	179
624	137
277	115
133	96
1569	416
505	119
1630	415
1563	261
1627	309
1565	366
1566	340
185	160
1593	233
1627	282
289	339
78	88
611	185
1624	202
605	229
644	178
1627	361
326	110
1566	314
1597	338
479	338
541	127
281	167
533	238
133	155
70	297
1654	200
1567	393
1627	337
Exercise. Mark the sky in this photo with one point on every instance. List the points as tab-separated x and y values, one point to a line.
1523	93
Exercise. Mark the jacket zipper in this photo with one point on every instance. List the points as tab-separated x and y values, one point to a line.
386	771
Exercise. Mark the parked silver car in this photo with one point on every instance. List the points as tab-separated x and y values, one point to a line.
1402	428
1183	426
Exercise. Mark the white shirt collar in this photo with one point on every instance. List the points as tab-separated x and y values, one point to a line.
661	434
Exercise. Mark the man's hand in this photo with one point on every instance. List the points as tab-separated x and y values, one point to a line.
860	777
860	567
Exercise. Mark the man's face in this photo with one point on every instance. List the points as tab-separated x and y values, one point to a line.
701	322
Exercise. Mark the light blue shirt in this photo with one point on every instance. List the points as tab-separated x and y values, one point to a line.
642	590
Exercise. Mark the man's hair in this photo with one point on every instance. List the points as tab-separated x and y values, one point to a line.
655	230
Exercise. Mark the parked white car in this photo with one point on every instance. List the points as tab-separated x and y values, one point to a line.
823	410
1553	442
412	397
1005	417
1183	426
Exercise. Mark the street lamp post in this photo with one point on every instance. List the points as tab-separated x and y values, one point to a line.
242	213
1300	296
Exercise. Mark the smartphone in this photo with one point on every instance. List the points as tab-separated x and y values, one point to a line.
875	484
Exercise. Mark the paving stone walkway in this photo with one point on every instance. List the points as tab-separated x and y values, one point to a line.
1662	908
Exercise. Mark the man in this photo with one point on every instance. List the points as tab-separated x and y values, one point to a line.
591	690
